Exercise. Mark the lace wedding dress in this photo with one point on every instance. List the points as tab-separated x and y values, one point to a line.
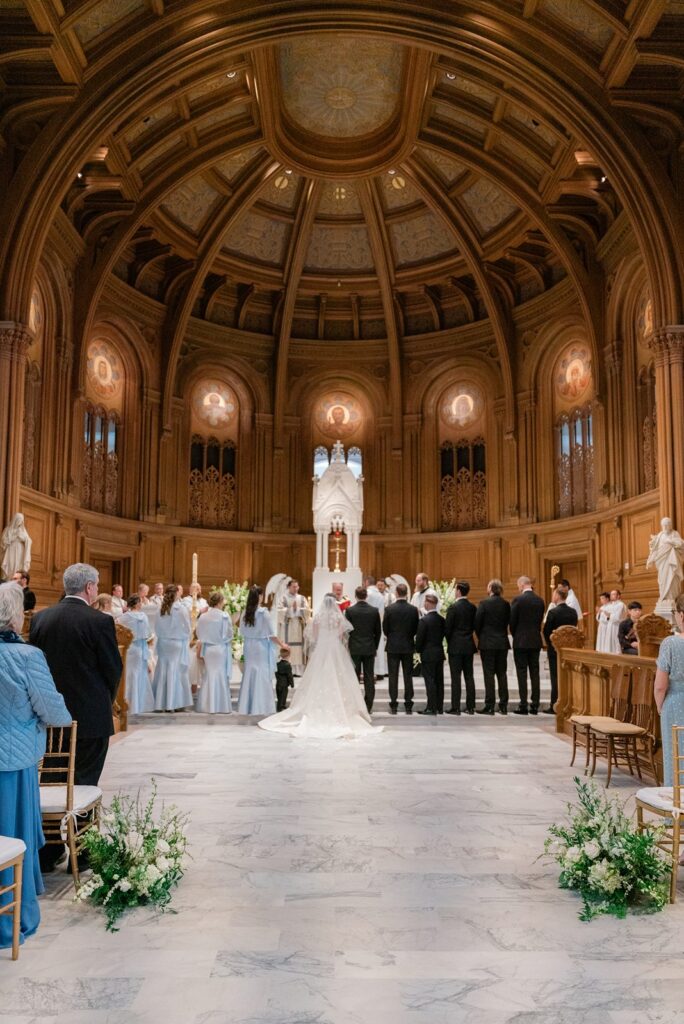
327	703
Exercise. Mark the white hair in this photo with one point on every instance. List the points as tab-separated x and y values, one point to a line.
77	576
11	606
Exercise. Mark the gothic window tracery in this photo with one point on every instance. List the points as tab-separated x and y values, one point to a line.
212	488
463	497
100	471
575	462
648	440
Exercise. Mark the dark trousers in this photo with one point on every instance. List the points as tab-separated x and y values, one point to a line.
433	674
367	662
494	670
393	663
281	694
553	672
462	663
91	752
527	658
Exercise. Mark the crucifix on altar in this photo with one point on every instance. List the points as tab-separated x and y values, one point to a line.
338	518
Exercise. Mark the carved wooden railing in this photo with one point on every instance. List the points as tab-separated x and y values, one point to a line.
651	630
124	639
584	679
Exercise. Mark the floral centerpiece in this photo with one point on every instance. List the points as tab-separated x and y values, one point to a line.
235	595
446	592
136	859
606	859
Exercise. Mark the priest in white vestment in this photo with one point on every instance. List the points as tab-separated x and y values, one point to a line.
293	617
423	590
377	600
609	618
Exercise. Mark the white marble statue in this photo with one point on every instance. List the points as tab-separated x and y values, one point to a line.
666	553
16	547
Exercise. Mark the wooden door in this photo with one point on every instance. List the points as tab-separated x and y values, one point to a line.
111	572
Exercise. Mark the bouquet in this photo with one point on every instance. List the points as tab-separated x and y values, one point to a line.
235	595
446	592
606	859
135	859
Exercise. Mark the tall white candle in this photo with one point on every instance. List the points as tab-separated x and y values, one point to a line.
194	567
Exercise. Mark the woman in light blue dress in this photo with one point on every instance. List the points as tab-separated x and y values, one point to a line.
214	634
260	643
138	689
668	689
171	685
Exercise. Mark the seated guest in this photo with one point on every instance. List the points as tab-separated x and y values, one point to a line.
215	656
399	624
460	622
668	688
171	685
138	690
29	702
118	603
627	629
560	615
23	579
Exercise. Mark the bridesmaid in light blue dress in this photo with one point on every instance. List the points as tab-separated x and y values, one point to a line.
171	685
138	689
260	640
669	687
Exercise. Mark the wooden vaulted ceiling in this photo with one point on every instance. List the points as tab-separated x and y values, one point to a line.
332	184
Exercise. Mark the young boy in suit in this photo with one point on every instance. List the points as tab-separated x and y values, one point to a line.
284	679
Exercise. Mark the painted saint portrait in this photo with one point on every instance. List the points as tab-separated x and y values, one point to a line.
461	406
213	402
573	375
338	416
105	374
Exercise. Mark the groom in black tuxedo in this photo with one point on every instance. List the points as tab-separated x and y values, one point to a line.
363	641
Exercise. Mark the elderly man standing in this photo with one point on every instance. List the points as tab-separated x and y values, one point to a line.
79	644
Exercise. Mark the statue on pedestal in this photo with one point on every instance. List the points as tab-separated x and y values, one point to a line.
16	548
666	553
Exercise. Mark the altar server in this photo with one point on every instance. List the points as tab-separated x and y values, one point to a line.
138	689
610	616
171	685
214	634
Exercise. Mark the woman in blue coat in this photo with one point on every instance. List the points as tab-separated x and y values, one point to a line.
29	703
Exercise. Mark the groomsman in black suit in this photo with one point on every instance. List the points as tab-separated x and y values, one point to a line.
527	615
560	615
459	626
399	625
491	626
364	640
430	646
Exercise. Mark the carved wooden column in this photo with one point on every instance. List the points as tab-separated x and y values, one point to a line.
149	452
413	479
615	437
667	344
62	425
262	478
14	342
505	501
527	455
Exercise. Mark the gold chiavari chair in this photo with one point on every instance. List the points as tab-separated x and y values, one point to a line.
67	810
667	804
12	858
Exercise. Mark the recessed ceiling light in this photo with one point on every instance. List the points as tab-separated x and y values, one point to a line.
231	74
288	170
281	182
450	75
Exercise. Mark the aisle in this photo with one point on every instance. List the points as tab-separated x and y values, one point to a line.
388	881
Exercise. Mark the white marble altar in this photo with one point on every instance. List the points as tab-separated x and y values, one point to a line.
387	881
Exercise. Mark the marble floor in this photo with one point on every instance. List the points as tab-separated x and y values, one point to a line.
392	880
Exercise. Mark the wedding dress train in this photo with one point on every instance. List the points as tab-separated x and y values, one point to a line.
327	702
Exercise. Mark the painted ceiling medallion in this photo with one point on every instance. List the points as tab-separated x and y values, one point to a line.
214	403
573	374
105	374
338	415
462	405
340	86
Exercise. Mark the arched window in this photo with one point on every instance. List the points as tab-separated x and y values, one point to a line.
646	412
575	462
212	498
464	485
101	446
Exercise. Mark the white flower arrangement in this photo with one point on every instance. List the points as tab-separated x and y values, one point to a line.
135	859
235	595
604	857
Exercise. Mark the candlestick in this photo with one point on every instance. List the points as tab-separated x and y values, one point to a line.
194	567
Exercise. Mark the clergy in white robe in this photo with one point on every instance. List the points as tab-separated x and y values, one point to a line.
609	618
139	694
377	600
293	617
423	590
214	634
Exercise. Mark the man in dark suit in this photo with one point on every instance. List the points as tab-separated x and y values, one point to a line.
399	625
363	641
491	627
23	579
79	644
430	646
458	631
527	615
560	615
627	637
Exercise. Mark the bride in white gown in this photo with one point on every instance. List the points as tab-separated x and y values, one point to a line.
327	703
